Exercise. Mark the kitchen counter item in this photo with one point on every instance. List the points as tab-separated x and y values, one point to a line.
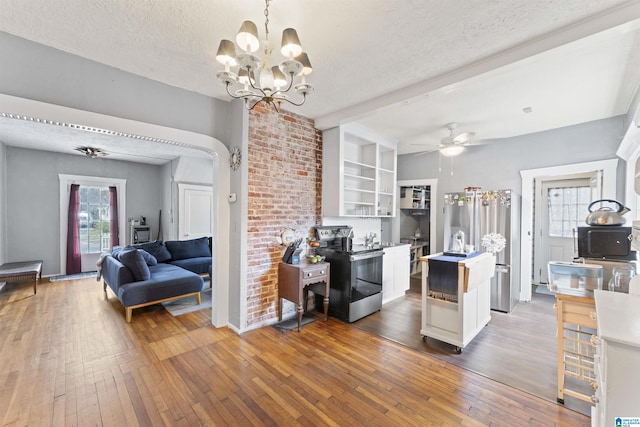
574	278
606	215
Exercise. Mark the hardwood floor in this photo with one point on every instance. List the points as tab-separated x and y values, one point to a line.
67	357
518	349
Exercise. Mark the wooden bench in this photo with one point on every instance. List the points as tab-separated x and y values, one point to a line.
23	271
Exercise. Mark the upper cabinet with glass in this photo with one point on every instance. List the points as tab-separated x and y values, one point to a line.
358	173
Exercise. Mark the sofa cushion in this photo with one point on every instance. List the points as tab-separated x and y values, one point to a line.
183	249
156	248
148	258
134	261
167	281
199	265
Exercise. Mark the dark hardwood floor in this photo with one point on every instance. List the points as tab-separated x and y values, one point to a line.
518	348
67	357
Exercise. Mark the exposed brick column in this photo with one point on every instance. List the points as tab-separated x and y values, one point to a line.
285	190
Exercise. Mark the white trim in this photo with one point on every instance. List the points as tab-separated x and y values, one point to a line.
609	168
65	186
221	177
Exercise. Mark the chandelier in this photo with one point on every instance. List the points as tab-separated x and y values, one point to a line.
257	80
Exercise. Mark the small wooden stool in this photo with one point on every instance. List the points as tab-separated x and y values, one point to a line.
23	271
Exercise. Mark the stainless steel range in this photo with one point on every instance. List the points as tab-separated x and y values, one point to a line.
356	274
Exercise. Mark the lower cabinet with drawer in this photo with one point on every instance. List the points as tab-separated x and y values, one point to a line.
617	359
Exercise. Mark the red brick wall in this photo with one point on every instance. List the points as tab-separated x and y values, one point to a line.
285	190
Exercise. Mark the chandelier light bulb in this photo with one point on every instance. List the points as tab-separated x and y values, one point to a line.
290	44
247	38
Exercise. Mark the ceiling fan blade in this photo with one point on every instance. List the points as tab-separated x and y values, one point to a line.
463	137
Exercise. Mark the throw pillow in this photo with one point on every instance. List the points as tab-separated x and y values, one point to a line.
184	249
148	258
134	261
157	249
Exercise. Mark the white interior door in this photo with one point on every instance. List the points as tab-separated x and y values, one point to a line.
561	206
194	211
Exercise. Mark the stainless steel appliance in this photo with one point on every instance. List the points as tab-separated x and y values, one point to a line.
606	242
356	274
475	217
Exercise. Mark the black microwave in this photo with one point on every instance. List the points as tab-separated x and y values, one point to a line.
605	242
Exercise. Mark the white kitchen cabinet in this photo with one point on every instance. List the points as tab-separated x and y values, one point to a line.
358	173
395	272
617	359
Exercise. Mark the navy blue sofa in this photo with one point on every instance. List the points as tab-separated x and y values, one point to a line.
151	273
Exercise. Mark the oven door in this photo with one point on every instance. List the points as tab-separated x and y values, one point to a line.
366	274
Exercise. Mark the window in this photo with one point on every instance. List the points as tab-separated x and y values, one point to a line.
94	219
567	207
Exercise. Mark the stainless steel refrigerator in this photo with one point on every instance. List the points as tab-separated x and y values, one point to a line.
483	219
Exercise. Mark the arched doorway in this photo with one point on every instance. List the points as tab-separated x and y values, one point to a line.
54	115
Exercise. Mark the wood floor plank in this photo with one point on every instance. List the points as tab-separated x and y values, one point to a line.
69	358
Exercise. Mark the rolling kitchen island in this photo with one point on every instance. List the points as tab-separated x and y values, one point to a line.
456	295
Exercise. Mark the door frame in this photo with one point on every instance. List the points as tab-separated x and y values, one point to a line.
609	175
538	202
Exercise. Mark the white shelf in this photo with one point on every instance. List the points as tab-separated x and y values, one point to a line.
364	178
359	170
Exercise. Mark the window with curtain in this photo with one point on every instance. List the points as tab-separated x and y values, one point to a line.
94	217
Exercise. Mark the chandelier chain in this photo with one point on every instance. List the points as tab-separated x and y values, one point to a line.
266	15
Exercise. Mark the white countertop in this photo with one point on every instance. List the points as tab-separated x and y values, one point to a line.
618	317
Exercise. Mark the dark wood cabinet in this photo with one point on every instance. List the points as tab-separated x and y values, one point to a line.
295	282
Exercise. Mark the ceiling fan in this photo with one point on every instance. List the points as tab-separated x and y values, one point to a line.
453	144
92	152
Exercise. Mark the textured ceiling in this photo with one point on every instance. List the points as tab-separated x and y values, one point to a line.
402	67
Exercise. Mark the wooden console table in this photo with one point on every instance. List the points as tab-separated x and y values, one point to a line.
22	272
295	282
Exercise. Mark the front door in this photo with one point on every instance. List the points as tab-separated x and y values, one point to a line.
561	206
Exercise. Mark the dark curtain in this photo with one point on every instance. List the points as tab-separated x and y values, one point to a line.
114	231
74	264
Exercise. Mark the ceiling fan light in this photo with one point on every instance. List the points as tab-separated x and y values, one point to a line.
226	54
247	38
290	43
452	150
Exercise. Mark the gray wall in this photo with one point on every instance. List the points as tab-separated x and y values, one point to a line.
33	198
33	71
3	204
498	166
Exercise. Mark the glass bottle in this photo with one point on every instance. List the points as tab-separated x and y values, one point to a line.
620	277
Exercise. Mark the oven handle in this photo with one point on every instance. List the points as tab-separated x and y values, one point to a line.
367	255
